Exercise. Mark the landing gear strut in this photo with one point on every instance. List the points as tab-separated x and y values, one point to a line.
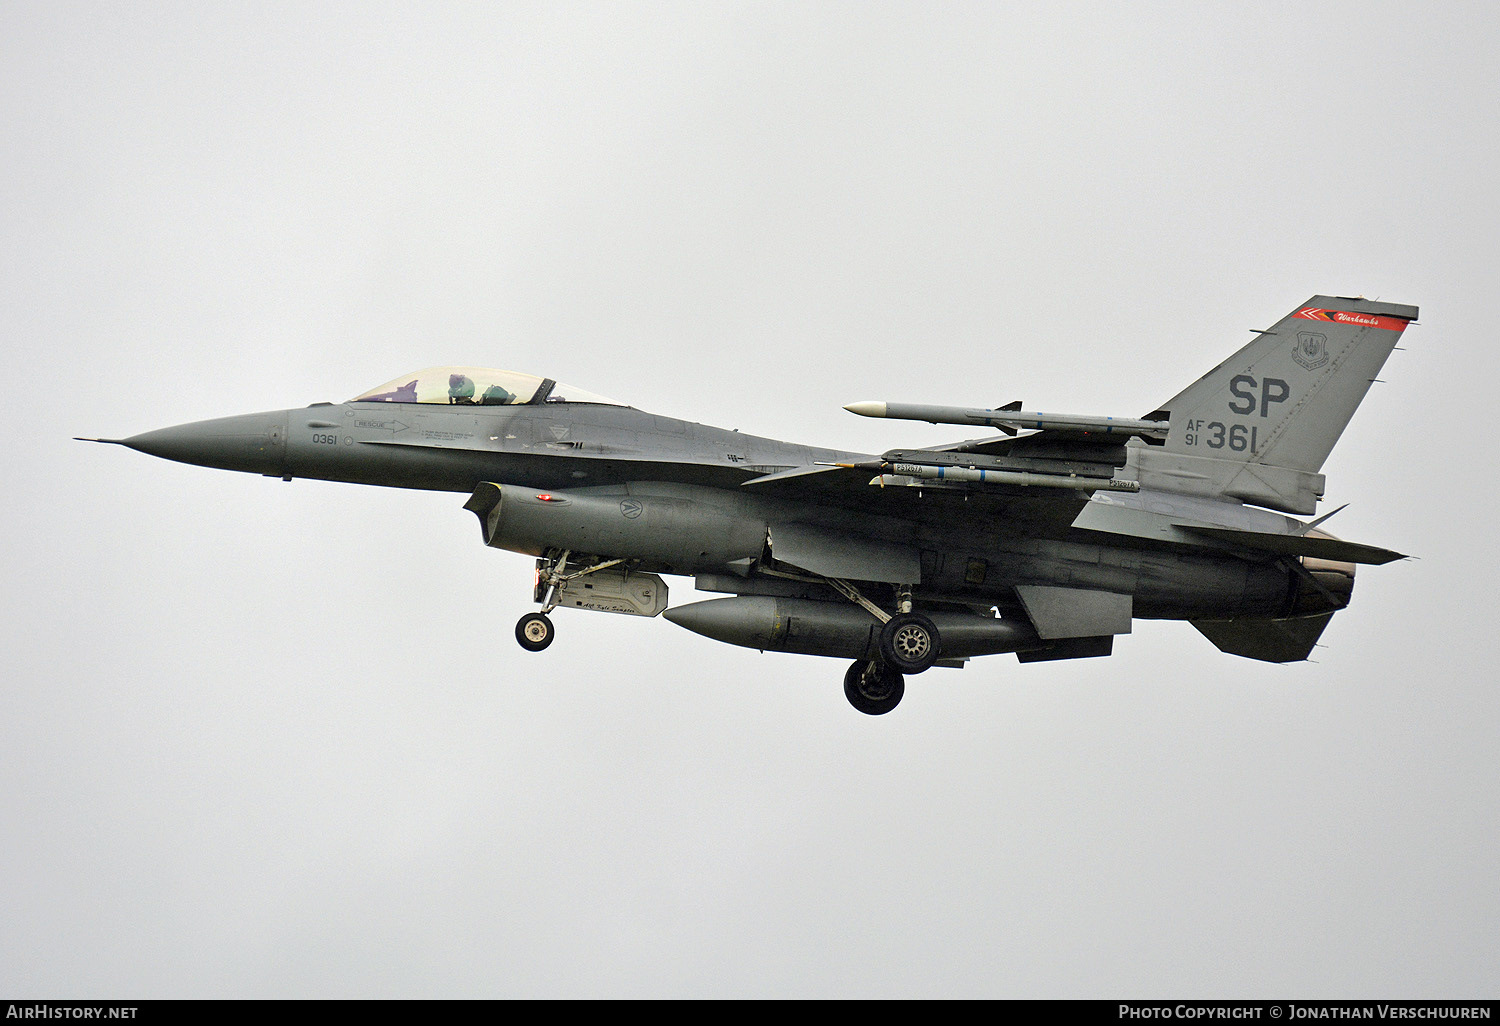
874	688
909	643
534	630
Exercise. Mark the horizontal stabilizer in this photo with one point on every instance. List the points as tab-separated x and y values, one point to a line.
1271	641
1319	546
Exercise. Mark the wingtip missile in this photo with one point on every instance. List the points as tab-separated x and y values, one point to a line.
1011	417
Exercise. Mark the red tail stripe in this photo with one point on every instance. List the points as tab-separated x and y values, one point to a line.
1313	313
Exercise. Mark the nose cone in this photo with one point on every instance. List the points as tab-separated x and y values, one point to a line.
254	442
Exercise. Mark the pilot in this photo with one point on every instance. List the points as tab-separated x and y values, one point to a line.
460	388
496	395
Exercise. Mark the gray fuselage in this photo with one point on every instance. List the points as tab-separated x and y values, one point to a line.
974	546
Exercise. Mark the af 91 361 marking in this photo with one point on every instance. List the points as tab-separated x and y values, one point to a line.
1217	435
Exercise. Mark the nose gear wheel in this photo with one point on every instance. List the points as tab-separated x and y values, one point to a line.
535	631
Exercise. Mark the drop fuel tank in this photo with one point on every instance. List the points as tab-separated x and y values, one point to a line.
812	627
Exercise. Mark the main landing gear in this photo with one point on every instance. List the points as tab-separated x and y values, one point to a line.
874	688
909	643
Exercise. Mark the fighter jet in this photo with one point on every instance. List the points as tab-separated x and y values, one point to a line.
1046	538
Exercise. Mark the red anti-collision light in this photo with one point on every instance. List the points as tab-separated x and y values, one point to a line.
547	497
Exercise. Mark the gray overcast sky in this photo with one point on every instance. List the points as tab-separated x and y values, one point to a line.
276	740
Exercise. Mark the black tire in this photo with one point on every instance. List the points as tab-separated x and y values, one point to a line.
535	632
873	688
910	643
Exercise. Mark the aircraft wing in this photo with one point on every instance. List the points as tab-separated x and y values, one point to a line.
813	477
868	488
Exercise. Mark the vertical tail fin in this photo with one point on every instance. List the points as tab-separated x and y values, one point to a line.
1284	399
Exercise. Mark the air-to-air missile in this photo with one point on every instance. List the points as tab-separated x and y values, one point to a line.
919	473
1011	418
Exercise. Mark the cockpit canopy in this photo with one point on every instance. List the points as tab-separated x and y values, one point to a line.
477	386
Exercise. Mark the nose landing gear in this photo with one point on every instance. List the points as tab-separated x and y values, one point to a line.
534	630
